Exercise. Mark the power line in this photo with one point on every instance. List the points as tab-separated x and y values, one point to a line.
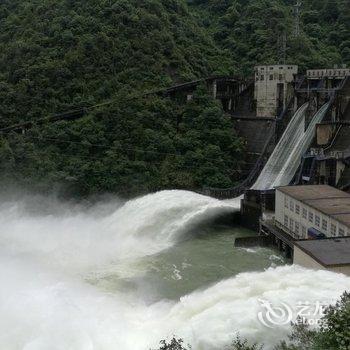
297	8
147	162
132	149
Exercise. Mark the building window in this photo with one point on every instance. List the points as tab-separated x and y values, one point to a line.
286	220
333	230
285	202
297	209
271	76
291	224
303	231
317	221
311	217
262	77
297	228
304	213
324	225
341	232
280	77
291	206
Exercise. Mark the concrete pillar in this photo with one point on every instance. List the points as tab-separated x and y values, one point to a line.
230	104
334	112
215	89
340	169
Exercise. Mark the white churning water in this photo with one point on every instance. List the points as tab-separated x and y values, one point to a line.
48	258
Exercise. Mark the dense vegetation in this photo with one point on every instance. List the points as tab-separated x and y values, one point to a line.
62	55
253	30
135	147
333	334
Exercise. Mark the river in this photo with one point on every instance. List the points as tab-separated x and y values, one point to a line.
123	276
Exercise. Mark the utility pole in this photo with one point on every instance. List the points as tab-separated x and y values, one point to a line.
282	47
297	8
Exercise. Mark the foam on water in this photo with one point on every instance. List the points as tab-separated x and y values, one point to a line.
46	301
80	241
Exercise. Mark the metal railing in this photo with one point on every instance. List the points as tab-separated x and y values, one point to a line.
286	229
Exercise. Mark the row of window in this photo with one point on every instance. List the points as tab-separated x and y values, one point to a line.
271	77
311	217
327	73
271	68
299	230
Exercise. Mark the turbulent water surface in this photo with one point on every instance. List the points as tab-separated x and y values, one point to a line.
125	275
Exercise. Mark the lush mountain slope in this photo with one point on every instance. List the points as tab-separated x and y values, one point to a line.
252	31
59	55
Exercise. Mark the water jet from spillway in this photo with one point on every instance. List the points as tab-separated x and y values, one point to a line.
46	261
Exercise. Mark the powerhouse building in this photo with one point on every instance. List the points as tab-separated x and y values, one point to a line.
315	211
332	254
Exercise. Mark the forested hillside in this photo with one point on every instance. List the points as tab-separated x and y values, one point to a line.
253	30
64	54
59	55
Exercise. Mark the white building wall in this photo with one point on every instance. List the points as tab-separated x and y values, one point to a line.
341	269
296	218
305	260
267	79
